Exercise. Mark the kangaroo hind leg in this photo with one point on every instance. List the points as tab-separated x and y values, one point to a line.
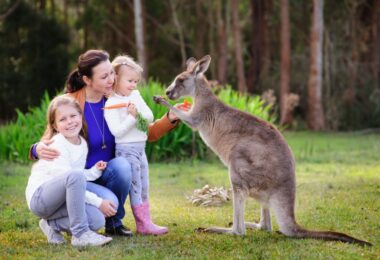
265	221
238	227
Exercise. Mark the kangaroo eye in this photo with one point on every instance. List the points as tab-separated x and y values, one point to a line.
180	80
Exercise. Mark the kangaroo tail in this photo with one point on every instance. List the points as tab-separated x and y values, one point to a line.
283	206
299	232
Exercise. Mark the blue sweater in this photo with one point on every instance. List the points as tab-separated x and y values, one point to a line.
94	135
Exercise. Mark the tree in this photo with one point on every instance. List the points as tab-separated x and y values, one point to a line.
315	115
242	85
221	42
33	59
286	113
258	42
177	24
139	34
376	42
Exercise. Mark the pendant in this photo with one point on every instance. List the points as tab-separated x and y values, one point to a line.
104	146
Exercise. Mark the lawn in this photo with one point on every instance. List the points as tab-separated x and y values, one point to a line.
338	188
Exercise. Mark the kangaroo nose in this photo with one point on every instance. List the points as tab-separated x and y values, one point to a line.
167	92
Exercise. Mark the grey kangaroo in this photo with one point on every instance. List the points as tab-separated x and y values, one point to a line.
259	160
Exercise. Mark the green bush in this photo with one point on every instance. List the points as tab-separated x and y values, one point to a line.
16	137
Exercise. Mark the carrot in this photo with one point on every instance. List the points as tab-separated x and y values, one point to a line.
116	106
185	106
186	103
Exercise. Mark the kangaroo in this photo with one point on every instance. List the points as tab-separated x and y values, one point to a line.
260	162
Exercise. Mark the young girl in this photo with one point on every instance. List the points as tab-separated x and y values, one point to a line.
56	190
129	126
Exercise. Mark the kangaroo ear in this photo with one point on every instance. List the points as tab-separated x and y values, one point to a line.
190	63
202	65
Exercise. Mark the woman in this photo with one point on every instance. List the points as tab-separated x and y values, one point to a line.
90	83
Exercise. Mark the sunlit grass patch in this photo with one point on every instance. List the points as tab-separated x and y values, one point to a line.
341	195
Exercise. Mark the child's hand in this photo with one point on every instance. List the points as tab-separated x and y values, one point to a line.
132	109
101	165
107	208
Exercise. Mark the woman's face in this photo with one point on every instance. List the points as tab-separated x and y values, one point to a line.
103	77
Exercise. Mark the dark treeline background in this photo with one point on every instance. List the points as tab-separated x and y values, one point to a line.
319	59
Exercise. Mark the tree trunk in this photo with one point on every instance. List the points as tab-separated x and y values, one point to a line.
10	10
376	43
178	26
258	35
286	113
242	86
52	7
200	29
65	12
211	40
315	115
222	43
139	34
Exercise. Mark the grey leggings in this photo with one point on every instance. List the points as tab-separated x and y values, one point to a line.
135	155
61	201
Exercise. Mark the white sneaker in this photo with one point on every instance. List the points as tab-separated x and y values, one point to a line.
90	238
53	236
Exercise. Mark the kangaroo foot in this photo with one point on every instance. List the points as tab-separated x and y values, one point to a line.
259	226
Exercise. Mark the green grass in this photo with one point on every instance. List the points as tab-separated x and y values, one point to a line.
338	188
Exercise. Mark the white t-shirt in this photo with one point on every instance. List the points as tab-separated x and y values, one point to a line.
71	157
122	124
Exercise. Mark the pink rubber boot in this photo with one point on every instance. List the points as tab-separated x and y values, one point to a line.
144	223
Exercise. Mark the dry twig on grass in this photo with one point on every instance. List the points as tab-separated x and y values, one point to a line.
208	196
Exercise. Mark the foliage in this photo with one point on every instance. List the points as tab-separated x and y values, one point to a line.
337	189
33	58
16	137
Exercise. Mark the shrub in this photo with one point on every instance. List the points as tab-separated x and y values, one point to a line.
16	137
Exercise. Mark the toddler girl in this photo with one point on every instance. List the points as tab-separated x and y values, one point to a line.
129	126
56	190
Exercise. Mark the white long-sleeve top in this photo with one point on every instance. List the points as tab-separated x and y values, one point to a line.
71	157
122	124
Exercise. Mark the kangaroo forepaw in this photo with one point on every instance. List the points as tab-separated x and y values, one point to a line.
161	101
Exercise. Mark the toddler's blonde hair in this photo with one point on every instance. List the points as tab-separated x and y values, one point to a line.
127	61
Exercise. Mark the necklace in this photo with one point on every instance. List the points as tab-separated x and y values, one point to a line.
97	124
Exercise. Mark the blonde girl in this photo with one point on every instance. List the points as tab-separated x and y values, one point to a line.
56	190
129	126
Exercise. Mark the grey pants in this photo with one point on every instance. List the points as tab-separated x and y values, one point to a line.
61	201
135	154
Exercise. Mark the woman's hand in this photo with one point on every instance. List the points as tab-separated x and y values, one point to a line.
107	208
45	152
101	165
173	117
132	109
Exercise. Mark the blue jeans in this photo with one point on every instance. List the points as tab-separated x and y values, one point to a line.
117	179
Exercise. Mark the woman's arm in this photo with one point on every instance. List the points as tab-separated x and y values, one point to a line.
42	150
160	127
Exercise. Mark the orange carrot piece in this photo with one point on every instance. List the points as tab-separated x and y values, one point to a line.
116	106
186	105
